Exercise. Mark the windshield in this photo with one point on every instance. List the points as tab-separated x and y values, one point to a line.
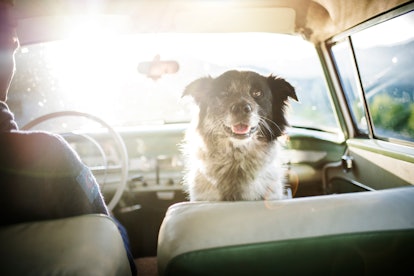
100	76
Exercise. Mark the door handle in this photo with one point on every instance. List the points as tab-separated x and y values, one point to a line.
347	163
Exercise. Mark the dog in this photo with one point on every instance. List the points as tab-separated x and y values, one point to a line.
231	150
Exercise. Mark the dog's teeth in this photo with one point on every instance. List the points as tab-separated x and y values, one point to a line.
240	129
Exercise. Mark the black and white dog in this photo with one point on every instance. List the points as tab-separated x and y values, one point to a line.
231	150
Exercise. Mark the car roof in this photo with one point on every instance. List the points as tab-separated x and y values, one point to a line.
315	20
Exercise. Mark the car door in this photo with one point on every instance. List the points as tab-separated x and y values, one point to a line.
372	67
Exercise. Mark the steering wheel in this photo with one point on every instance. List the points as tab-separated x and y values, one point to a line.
115	136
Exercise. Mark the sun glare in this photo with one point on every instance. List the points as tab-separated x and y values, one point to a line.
84	59
95	69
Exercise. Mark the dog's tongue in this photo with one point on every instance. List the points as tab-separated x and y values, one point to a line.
240	129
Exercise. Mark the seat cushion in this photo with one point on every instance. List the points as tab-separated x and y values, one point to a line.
82	245
325	232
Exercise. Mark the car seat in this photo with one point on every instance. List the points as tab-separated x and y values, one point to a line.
366	233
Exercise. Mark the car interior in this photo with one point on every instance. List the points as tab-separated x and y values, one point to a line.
108	76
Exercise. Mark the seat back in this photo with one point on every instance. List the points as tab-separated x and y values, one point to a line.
365	233
82	245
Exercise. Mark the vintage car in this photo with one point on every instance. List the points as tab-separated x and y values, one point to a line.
109	77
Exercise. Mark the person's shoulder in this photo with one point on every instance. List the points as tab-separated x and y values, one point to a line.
35	144
32	137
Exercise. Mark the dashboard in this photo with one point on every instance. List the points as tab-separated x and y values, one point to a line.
155	162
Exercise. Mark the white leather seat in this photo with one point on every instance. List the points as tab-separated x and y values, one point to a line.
242	238
82	245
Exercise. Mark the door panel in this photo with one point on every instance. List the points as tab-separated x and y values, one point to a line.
375	165
306	154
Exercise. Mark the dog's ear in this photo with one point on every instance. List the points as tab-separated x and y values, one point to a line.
281	91
198	89
281	88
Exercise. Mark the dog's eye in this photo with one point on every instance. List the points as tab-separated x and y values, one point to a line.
256	93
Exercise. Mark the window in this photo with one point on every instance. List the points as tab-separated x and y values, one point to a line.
348	77
378	61
97	75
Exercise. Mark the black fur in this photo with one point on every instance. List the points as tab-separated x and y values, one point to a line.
231	153
215	92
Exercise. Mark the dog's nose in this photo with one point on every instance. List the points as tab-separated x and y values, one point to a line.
241	108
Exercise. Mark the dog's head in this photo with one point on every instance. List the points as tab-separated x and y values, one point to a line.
241	104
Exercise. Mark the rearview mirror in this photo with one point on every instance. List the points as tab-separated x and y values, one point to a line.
156	68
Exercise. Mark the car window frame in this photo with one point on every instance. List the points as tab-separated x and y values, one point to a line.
348	118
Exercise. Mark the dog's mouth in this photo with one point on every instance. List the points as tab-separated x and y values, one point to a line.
241	131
